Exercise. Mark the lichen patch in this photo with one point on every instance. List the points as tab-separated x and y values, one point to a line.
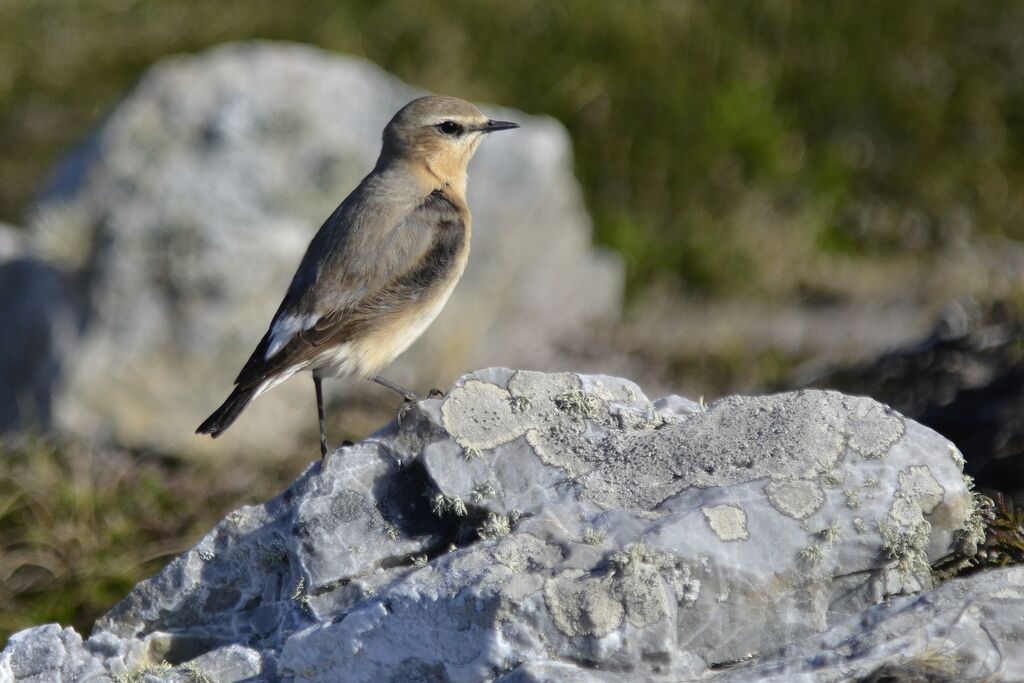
871	427
479	416
796	498
918	483
729	522
581	605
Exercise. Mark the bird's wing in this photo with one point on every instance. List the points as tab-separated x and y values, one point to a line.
354	274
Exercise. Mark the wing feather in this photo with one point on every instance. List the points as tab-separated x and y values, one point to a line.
333	300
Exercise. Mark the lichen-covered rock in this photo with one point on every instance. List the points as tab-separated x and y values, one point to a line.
532	526
45	654
190	208
968	629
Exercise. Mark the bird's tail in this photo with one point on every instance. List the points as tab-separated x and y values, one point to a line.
228	412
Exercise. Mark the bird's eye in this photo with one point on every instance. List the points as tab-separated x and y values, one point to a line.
450	128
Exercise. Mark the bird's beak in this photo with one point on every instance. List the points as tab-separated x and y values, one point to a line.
492	126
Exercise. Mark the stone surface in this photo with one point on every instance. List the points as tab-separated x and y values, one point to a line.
965	379
534	527
966	630
42	315
191	206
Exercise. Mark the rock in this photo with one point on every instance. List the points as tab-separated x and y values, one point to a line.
531	526
965	380
42	315
966	630
191	206
45	654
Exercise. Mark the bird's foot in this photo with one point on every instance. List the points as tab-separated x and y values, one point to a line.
435	393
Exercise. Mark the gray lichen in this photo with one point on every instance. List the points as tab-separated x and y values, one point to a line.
728	522
798	498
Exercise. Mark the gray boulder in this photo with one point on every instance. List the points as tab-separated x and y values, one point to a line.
190	207
532	527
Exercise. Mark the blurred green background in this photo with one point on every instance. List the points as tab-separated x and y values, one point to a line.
772	151
872	128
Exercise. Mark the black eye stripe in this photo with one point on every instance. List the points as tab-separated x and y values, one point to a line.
450	128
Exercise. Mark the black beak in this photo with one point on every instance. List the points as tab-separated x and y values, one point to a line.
492	126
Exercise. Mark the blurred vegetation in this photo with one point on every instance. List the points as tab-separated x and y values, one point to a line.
79	528
869	128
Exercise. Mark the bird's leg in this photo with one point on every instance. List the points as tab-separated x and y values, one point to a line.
406	394
320	414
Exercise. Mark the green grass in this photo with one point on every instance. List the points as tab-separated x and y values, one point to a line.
79	528
898	127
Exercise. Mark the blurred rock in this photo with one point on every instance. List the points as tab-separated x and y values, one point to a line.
532	527
41	315
192	204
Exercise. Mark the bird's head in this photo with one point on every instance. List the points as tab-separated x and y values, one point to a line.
439	133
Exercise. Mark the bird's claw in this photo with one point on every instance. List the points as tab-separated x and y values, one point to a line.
435	393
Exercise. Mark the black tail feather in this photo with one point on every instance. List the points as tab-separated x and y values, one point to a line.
228	412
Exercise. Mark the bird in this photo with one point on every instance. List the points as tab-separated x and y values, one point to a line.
381	267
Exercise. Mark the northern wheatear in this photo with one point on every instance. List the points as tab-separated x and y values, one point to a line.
381	267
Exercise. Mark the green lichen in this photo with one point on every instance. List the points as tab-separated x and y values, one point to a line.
419	560
495	526
812	555
519	403
139	675
593	536
906	547
831	534
442	505
391	530
829	476
483	491
512	561
626	560
299	594
852	498
194	673
577	402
